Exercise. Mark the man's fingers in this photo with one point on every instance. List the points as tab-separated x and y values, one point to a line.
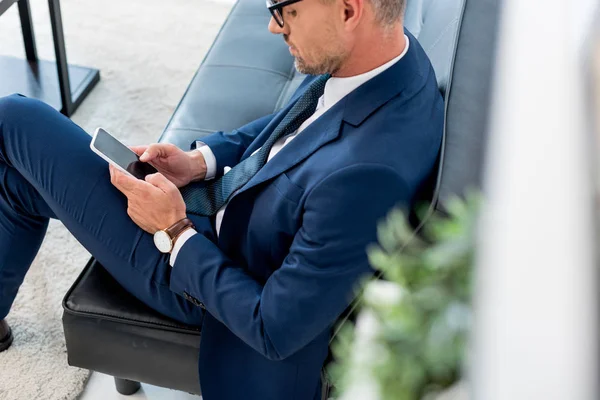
147	152
156	150
121	181
153	151
161	182
139	150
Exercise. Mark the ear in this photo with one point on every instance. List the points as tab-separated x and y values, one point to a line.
352	13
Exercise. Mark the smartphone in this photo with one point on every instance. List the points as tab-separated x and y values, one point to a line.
119	155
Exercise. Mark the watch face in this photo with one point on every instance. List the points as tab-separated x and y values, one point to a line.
162	241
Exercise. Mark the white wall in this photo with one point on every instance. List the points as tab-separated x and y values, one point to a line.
536	333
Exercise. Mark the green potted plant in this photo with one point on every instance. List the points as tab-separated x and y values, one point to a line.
410	337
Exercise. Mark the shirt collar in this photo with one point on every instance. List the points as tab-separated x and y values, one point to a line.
337	88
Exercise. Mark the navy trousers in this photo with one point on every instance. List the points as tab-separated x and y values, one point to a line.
47	170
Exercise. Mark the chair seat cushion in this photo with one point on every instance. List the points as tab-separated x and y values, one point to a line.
108	330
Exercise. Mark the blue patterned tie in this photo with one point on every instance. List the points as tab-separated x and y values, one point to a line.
209	199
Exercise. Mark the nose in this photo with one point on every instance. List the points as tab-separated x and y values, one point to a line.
275	28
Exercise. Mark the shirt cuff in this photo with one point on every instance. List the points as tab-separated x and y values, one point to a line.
209	159
179	244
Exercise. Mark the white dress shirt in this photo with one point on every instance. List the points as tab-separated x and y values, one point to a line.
335	90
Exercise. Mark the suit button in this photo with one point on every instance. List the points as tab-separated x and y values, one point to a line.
186	296
201	305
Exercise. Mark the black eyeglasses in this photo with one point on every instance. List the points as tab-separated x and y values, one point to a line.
275	9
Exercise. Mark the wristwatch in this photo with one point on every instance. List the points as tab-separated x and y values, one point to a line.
164	240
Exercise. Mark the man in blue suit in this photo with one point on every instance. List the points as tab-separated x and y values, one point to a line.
258	235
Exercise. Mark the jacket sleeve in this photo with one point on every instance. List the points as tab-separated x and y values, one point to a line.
229	147
318	277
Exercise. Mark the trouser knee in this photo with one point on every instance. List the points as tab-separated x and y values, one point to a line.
12	105
19	113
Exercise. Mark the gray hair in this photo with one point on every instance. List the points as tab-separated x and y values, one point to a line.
388	12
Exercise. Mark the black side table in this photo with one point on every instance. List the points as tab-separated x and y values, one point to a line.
62	86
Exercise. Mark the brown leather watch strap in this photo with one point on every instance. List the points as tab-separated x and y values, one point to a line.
178	227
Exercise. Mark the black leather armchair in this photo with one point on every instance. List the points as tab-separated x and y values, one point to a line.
248	73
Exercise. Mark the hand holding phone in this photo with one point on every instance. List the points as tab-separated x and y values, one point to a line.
119	155
176	165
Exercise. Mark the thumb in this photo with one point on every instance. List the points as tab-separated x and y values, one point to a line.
151	153
159	180
138	149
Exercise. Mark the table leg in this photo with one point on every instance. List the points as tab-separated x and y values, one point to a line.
61	57
27	28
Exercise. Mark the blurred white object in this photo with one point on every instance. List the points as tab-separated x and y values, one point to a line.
459	391
382	293
367	353
536	332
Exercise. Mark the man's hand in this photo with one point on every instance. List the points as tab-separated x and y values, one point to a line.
173	163
153	204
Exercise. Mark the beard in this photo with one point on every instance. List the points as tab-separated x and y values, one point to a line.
329	57
328	60
329	64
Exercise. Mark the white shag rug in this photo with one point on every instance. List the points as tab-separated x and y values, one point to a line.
147	52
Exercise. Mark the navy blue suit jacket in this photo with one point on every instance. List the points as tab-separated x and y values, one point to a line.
292	243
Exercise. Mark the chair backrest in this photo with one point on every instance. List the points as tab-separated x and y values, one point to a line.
467	100
435	24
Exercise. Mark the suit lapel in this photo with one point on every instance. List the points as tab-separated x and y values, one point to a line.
322	131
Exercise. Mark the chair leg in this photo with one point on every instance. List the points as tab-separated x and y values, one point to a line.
126	387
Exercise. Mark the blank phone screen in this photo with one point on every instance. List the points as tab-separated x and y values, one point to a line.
122	155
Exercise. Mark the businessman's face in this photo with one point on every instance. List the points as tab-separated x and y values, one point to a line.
313	33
